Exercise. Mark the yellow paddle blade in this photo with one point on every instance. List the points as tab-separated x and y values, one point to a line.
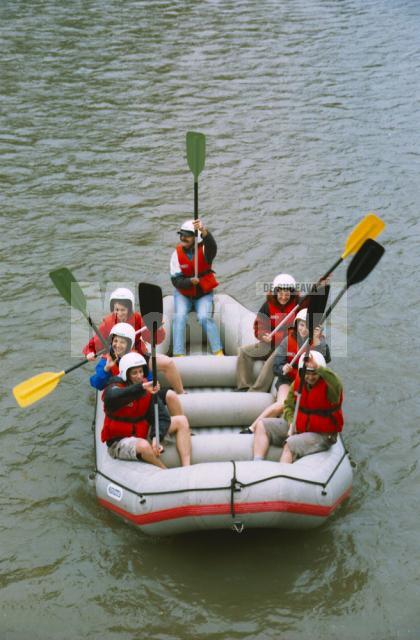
370	227
32	390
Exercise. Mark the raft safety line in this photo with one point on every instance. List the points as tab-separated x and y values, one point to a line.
238	483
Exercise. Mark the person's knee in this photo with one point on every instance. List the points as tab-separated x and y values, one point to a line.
143	447
171	395
260	428
164	362
179	424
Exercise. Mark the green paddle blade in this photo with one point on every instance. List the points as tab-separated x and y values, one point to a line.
151	305
196	152
364	261
69	288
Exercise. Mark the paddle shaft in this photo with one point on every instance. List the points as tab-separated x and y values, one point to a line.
302	379
96	330
329	272
195	230
155	397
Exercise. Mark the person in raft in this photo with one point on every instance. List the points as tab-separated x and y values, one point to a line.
129	424
193	293
283	357
319	417
121	304
281	300
122	339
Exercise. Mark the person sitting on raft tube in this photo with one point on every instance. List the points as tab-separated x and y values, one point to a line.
282	368
193	293
121	304
319	417
281	300
129	424
121	341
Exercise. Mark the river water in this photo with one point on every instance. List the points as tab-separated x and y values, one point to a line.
310	110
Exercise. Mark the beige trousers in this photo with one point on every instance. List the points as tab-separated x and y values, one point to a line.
246	357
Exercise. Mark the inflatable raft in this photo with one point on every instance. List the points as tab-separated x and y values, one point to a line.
223	488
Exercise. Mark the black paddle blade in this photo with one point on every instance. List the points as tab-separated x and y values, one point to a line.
151	305
364	261
316	307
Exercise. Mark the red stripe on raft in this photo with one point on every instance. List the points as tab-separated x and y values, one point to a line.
223	509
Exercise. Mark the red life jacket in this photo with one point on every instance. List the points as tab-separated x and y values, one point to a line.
127	421
316	413
94	345
205	274
292	349
277	314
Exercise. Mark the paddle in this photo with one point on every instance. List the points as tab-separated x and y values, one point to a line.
70	290
30	391
365	260
370	227
151	309
39	386
196	155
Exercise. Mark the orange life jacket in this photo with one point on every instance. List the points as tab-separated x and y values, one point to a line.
129	420
205	274
316	413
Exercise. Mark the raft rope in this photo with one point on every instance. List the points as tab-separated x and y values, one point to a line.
235	485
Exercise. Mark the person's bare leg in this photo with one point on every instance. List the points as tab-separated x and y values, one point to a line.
173	403
181	428
286	455
144	449
166	365
261	441
274	410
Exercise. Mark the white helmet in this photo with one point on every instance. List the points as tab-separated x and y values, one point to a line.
129	361
318	357
123	330
284	281
187	227
302	315
121	294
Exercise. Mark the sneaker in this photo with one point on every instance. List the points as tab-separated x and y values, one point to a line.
242	389
219	353
246	430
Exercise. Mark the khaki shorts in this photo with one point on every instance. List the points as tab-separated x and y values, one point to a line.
300	444
125	449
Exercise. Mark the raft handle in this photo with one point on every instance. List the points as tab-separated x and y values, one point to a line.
238	526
